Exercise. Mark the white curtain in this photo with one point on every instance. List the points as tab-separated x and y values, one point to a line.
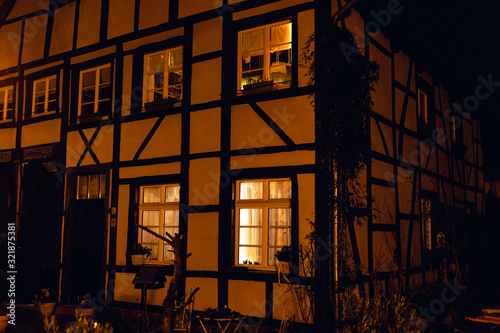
251	235
251	190
281	37
252	44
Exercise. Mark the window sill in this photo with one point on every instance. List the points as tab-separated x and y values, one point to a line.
260	87
91	118
161	105
38	115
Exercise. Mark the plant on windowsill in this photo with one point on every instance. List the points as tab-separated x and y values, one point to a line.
138	253
259	87
284	256
46	302
86	306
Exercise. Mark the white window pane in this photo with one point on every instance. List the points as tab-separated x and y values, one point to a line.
172	193
103	185
171	218
40	87
251	190
151	218
279	236
156	63
281	34
171	231
280	189
252	43
271	255
251	217
151	194
52	84
146	237
175	58
280	216
83	187
94	187
89	79
167	252
105	76
250	236
154	251
250	255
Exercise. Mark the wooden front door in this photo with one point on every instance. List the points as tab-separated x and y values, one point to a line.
88	247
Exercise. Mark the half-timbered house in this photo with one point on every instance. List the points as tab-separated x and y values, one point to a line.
195	117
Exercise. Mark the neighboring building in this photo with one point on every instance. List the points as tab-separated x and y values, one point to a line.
137	110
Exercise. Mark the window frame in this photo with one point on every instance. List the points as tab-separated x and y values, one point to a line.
265	204
46	101
425	118
267	54
3	108
145	80
97	69
427	225
161	206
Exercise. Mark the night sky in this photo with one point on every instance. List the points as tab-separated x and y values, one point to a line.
466	38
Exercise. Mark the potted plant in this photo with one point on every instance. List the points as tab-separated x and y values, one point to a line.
138	253
86	307
46	302
284	256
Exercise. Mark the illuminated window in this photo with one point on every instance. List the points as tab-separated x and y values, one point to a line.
44	96
95	91
422	106
163	76
265	54
7	103
91	187
263	220
427	223
159	212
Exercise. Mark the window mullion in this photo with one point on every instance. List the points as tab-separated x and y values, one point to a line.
97	88
46	102
265	236
267	55
165	75
161	232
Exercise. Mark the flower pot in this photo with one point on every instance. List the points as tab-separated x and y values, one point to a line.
85	312
47	309
283	267
137	259
4	322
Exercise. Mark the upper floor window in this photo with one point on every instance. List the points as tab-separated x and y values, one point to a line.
159	212
422	106
95	91
426	205
265	56
263	220
44	96
7	103
163	76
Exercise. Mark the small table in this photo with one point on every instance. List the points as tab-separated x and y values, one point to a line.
222	323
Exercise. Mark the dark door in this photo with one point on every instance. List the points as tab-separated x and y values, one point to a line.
87	259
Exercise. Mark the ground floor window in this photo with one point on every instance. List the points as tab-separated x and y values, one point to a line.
263	220
159	211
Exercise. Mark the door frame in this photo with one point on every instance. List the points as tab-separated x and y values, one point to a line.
69	223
